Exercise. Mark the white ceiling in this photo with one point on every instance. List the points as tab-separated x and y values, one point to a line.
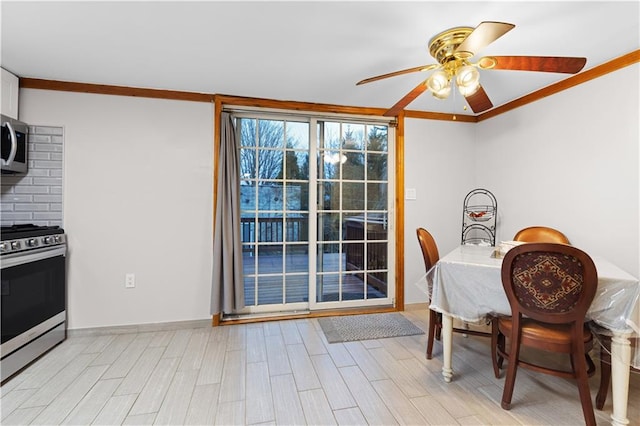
300	51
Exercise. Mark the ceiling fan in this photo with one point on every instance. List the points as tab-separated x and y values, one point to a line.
454	48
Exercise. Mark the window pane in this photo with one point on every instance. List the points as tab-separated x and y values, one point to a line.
329	164
376	196
249	259
377	138
331	136
249	290
376	256
327	287
270	259
297	163
352	136
297	135
354	227
247	228
329	226
353	196
377	285
329	258
352	286
269	290
376	226
353	167
271	134
270	164
297	288
354	256
377	166
329	195
297	196
270	229
297	226
248	163
270	197
247	132
297	258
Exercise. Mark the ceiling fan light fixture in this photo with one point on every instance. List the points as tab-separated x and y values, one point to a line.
468	80
439	84
443	93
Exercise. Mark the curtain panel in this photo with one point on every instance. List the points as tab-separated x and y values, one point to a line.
227	293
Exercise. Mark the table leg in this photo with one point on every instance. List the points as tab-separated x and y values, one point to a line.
447	339
620	362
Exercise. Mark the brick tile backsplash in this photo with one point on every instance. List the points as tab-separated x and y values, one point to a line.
36	197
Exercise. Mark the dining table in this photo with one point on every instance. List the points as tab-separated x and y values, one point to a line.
466	285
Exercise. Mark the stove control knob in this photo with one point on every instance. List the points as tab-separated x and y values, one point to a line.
57	239
32	242
4	247
46	240
15	245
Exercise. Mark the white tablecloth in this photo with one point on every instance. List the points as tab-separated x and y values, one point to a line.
466	284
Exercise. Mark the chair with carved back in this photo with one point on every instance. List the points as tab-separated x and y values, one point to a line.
541	234
550	287
431	256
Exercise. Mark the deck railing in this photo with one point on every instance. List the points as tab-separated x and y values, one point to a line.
273	229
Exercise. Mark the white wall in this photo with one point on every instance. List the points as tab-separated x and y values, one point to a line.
571	162
440	166
138	179
137	198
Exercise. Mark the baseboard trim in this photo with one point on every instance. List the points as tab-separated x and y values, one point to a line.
423	306
139	328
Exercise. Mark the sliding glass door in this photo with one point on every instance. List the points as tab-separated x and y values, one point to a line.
316	205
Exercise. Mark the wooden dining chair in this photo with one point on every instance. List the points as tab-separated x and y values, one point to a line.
431	256
541	234
550	287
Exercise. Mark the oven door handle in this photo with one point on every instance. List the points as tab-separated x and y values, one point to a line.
14	145
16	259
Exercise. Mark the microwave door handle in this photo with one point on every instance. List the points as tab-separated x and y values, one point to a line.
14	145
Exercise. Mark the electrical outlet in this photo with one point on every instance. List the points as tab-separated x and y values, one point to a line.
130	280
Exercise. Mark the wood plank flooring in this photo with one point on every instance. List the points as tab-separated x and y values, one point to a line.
281	373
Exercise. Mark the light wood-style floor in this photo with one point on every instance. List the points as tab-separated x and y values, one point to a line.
284	373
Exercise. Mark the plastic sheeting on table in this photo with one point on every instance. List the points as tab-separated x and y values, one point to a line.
467	285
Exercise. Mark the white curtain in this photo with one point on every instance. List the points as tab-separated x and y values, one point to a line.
227	293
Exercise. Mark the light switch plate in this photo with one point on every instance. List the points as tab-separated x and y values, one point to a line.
410	194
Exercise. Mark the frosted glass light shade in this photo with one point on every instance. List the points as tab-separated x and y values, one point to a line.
468	80
439	84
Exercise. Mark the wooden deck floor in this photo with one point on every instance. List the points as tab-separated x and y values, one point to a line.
294	285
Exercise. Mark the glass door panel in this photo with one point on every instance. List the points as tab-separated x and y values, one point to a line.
274	190
353	216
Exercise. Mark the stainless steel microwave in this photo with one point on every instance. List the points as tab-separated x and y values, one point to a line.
14	145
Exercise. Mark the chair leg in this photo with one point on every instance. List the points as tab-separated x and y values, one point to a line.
501	347
494	348
583	386
433	319
439	326
591	367
605	374
512	368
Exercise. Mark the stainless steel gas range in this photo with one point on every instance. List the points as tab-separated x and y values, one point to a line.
33	293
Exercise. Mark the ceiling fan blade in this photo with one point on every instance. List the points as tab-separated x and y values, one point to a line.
408	98
479	101
484	34
393	74
561	64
